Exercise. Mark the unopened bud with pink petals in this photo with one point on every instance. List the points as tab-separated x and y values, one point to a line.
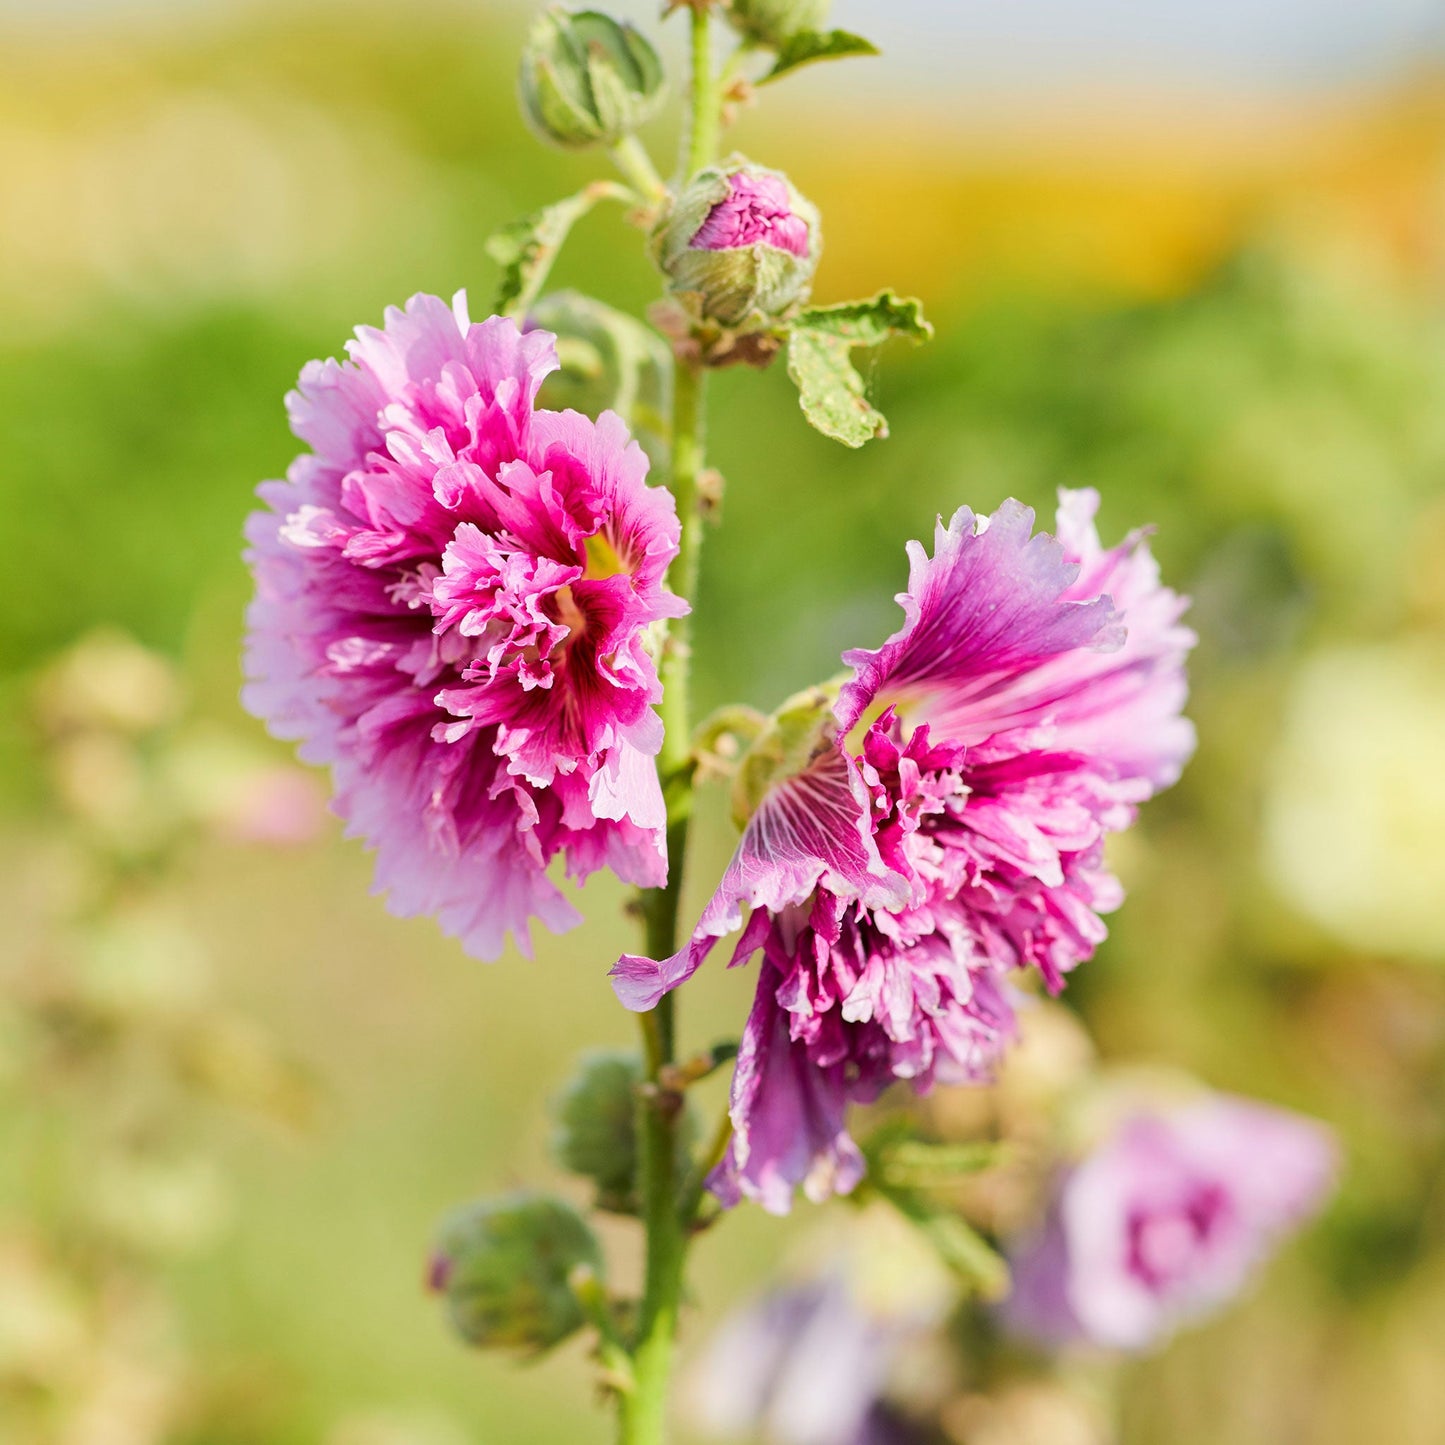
740	246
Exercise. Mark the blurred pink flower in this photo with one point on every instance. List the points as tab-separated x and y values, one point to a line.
452	591
1028	704
1166	1221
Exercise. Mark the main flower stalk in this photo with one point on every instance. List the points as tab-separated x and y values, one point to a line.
642	1410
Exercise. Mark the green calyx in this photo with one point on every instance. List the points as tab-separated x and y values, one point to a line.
794	735
504	1267
588	79
744	287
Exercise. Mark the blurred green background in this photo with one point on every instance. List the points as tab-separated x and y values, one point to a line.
235	1096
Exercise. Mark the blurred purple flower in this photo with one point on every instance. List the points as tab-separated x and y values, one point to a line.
451	594
804	1365
896	881
1166	1221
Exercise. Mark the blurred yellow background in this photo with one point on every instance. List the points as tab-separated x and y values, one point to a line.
235	1096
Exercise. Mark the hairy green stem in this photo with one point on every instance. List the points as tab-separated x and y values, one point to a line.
706	94
642	1410
630	157
667	1215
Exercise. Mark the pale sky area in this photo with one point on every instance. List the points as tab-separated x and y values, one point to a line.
981	43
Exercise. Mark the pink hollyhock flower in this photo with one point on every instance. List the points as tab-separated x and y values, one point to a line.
1166	1221
453	592
947	832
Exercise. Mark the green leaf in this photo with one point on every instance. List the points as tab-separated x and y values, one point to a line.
918	1165
526	249
805	46
960	1246
820	344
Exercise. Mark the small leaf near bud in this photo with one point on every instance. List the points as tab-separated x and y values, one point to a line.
739	246
504	1267
830	391
806	46
587	79
526	249
771	22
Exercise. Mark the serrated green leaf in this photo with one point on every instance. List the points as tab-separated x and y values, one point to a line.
526	249
820	344
803	47
830	392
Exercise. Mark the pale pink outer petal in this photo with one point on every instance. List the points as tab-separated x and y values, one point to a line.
813	828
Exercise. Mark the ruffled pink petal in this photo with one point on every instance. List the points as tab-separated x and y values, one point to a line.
452	592
989	606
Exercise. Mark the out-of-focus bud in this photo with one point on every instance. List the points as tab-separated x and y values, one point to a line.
608	362
503	1265
587	79
596	1134
739	246
770	22
785	746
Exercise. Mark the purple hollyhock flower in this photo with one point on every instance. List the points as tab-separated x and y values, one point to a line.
1166	1221
947	831
803	1365
452	595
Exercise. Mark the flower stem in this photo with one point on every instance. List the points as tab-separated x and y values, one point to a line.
643	1409
706	94
630	157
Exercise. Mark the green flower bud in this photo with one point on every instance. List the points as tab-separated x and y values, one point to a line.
739	246
587	79
770	22
503	1266
608	362
596	1134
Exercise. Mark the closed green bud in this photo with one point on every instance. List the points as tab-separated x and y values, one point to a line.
503	1266
587	79
739	246
607	362
596	1134
770	22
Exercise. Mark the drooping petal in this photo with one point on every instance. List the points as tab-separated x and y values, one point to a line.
812	829
788	1129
